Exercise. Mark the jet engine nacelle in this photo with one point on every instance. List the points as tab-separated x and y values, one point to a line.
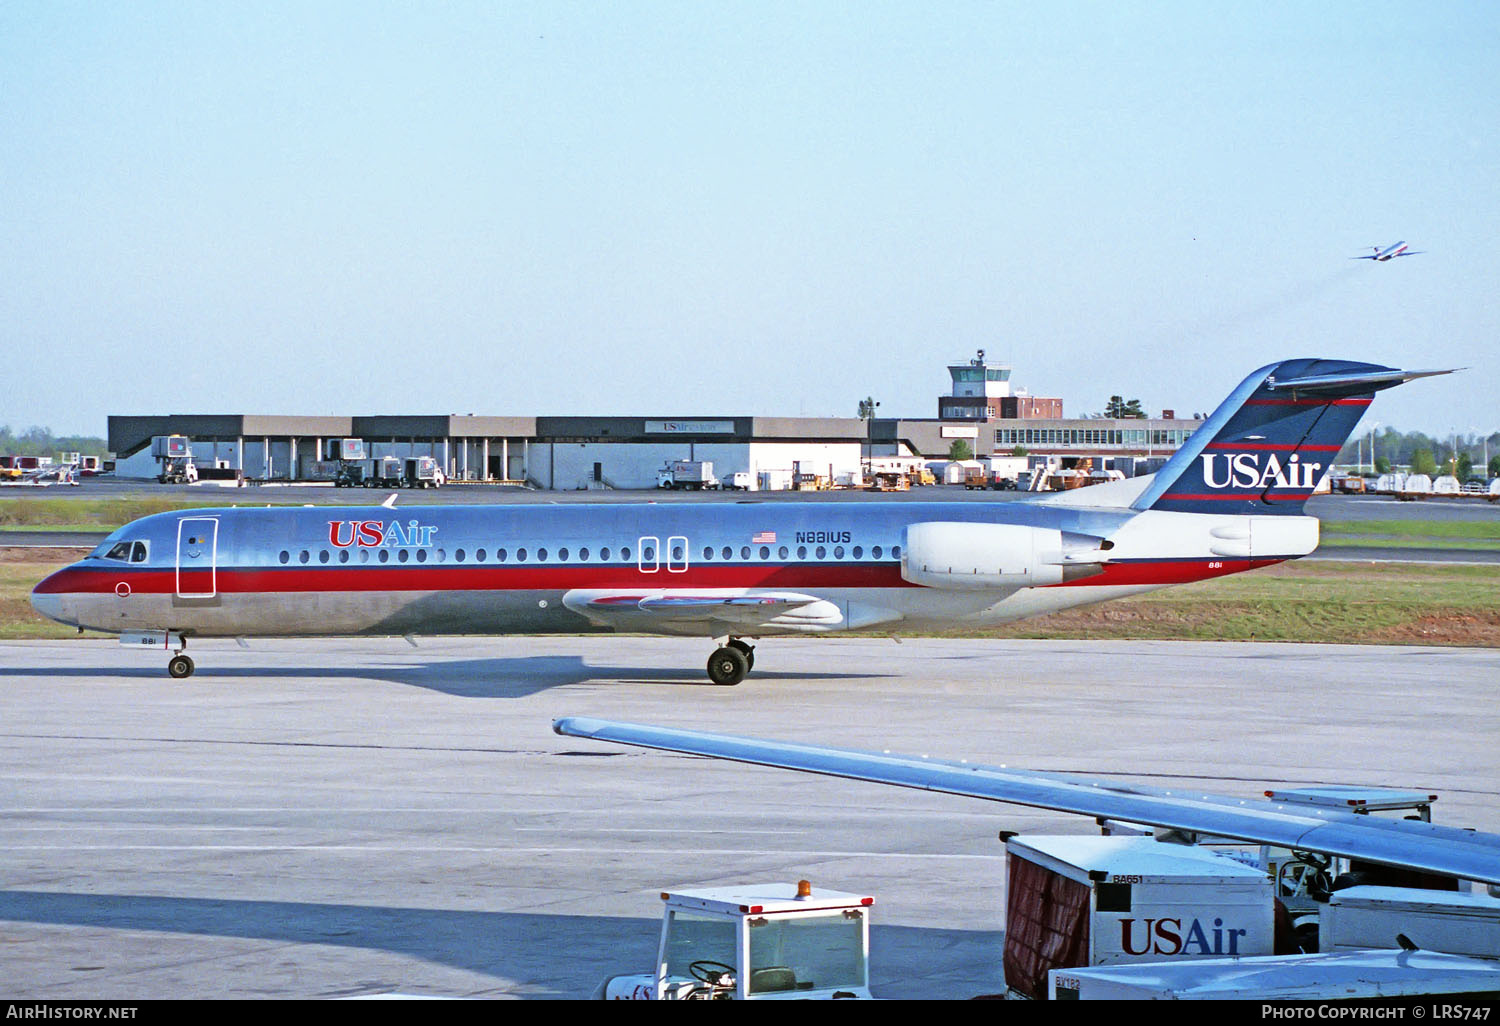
970	556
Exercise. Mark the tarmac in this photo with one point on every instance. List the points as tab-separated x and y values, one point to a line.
341	818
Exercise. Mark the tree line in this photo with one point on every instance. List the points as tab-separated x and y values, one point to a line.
40	441
1462	454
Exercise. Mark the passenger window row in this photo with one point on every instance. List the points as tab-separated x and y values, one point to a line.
783	552
563	555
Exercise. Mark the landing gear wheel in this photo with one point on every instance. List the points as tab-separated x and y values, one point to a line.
728	666
180	666
749	651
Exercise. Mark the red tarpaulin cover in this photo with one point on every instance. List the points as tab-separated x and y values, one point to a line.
1046	926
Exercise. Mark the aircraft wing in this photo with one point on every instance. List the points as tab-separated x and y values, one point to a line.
695	610
1461	853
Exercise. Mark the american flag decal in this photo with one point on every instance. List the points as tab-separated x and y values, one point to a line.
764	538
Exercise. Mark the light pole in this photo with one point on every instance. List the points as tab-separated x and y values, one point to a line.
1372	445
1486	440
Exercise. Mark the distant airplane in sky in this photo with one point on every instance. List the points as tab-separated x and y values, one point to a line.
1394	250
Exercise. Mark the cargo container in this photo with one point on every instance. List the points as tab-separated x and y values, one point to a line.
1343	976
1460	922
173	447
381	472
1079	901
344	449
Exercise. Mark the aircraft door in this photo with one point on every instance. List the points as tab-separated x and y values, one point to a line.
197	557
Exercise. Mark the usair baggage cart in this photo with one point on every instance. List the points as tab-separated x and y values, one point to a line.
1343	976
1461	922
1092	901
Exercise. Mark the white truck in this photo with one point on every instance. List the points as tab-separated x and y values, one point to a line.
687	475
764	941
423	472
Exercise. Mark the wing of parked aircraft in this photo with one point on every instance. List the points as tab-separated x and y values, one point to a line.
1461	853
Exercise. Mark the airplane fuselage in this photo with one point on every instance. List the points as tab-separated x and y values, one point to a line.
334	570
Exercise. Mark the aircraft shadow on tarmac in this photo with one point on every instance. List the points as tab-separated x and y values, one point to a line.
550	956
462	678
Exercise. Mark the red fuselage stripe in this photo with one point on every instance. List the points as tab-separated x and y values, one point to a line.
1242	496
103	581
1307	402
1270	447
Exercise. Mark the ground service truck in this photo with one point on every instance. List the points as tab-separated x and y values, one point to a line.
762	941
687	475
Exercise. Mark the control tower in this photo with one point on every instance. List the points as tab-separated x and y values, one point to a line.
980	391
978	378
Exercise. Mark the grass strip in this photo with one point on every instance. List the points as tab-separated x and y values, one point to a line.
1375	541
1477	530
86	514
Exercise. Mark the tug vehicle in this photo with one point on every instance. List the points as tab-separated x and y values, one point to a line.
762	941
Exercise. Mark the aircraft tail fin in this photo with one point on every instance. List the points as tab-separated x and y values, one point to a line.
1271	441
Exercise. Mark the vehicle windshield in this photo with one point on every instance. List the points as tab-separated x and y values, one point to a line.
807	953
693	938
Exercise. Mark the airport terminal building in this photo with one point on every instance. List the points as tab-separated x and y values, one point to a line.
569	453
547	452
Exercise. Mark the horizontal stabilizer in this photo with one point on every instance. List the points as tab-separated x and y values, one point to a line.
1414	845
1349	384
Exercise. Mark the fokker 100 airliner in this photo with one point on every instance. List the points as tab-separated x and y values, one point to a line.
1231	499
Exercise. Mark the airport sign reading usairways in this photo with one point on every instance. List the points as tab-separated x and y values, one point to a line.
369	534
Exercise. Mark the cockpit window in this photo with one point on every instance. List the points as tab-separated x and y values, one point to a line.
124	551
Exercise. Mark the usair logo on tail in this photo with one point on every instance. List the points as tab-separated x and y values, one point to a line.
1245	470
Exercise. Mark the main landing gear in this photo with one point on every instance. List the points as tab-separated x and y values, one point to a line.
729	664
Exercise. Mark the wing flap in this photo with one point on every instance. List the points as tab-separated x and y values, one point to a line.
1461	853
711	610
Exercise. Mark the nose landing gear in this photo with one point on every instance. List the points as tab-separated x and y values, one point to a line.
181	664
729	663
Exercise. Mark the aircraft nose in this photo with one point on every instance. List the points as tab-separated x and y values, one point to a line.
49	606
50	602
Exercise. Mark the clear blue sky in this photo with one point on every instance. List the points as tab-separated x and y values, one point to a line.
737	208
